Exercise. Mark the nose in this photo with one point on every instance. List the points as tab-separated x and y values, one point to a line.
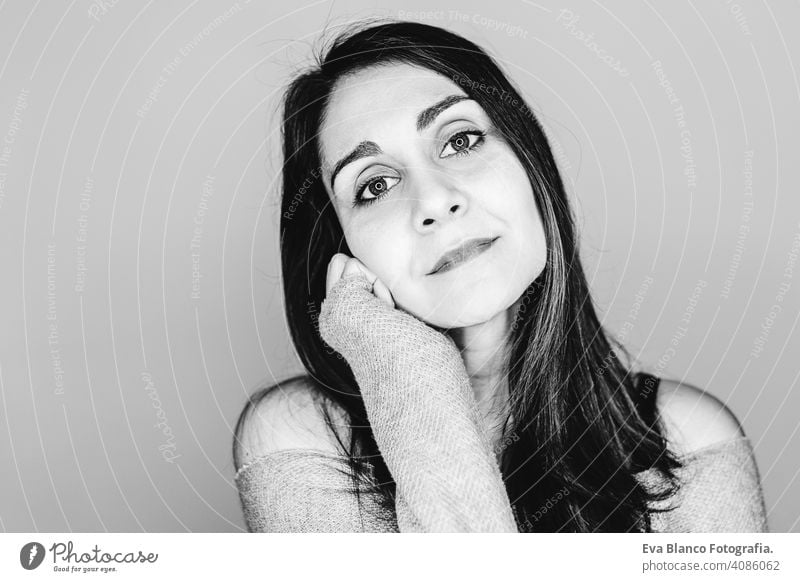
439	199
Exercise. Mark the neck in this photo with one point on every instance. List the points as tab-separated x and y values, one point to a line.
484	348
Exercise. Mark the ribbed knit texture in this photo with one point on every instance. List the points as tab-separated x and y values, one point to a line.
426	423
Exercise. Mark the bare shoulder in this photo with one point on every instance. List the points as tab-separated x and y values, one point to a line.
287	415
693	418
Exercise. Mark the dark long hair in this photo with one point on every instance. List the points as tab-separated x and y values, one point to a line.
578	437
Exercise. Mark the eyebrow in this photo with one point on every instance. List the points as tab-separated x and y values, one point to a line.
369	148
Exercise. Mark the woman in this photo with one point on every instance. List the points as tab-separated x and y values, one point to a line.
458	376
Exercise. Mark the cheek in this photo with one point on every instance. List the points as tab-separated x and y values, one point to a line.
510	199
530	226
529	235
506	193
383	249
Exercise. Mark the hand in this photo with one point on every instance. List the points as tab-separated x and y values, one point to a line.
342	266
384	343
359	316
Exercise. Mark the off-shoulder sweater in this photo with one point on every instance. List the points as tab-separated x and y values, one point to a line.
431	436
301	490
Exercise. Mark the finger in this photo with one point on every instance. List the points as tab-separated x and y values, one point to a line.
379	289
355	267
382	292
335	268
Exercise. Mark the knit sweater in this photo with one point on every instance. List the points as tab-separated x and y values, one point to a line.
426	423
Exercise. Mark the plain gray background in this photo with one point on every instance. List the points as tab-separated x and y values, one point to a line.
139	152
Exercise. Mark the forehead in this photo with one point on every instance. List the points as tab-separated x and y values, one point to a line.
376	102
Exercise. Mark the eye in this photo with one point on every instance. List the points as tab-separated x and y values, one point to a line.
377	186
463	143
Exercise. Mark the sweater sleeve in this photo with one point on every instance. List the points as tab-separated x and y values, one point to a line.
422	411
307	491
720	491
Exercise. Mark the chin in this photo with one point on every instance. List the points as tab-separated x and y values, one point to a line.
464	306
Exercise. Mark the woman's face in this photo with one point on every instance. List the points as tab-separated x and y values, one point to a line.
418	169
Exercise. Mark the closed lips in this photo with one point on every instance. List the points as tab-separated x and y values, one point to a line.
462	252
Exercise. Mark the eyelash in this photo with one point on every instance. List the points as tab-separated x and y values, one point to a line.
359	201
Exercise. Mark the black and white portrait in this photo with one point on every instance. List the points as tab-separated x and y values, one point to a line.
375	267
